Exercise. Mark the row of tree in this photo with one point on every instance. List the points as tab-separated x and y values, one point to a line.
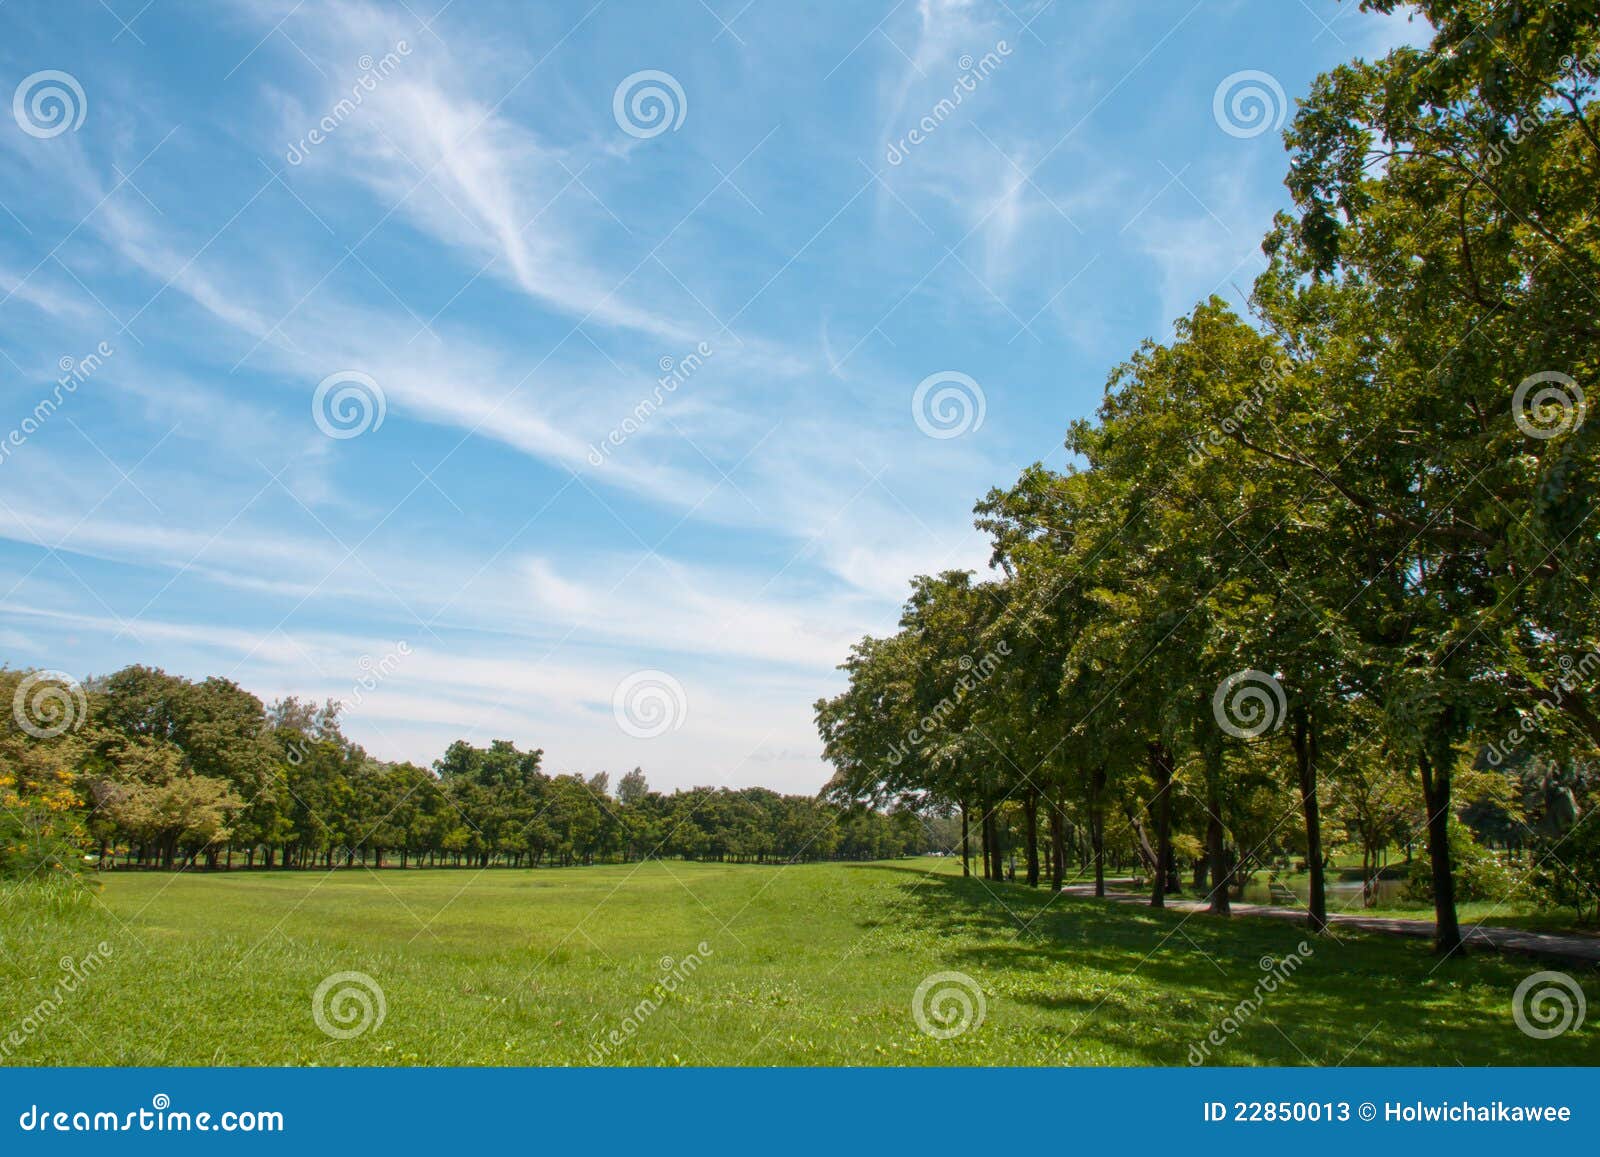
1337	554
150	769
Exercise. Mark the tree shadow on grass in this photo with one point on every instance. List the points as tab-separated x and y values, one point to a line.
1157	983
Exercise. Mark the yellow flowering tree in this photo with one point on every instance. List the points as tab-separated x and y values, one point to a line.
42	810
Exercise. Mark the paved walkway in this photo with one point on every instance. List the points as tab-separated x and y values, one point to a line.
1576	948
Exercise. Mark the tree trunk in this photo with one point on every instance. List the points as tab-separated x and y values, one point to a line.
1216	843
991	831
1161	772
1097	828
1147	853
966	842
1217	865
1305	754
1030	809
1435	768
1058	847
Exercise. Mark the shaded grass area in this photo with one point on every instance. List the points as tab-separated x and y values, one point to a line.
1517	910
811	964
1513	911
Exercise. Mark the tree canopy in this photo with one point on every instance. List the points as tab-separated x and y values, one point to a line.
1322	554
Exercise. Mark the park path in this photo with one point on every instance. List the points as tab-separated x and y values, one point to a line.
1574	948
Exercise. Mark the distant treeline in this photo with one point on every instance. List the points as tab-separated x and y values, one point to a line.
147	769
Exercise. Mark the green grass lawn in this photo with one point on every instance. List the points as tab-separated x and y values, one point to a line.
812	964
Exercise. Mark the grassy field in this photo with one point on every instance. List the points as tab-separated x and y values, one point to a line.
813	964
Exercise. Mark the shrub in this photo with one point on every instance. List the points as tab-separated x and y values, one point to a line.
1478	872
35	844
1568	871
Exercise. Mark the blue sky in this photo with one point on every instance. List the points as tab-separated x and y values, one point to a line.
498	254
